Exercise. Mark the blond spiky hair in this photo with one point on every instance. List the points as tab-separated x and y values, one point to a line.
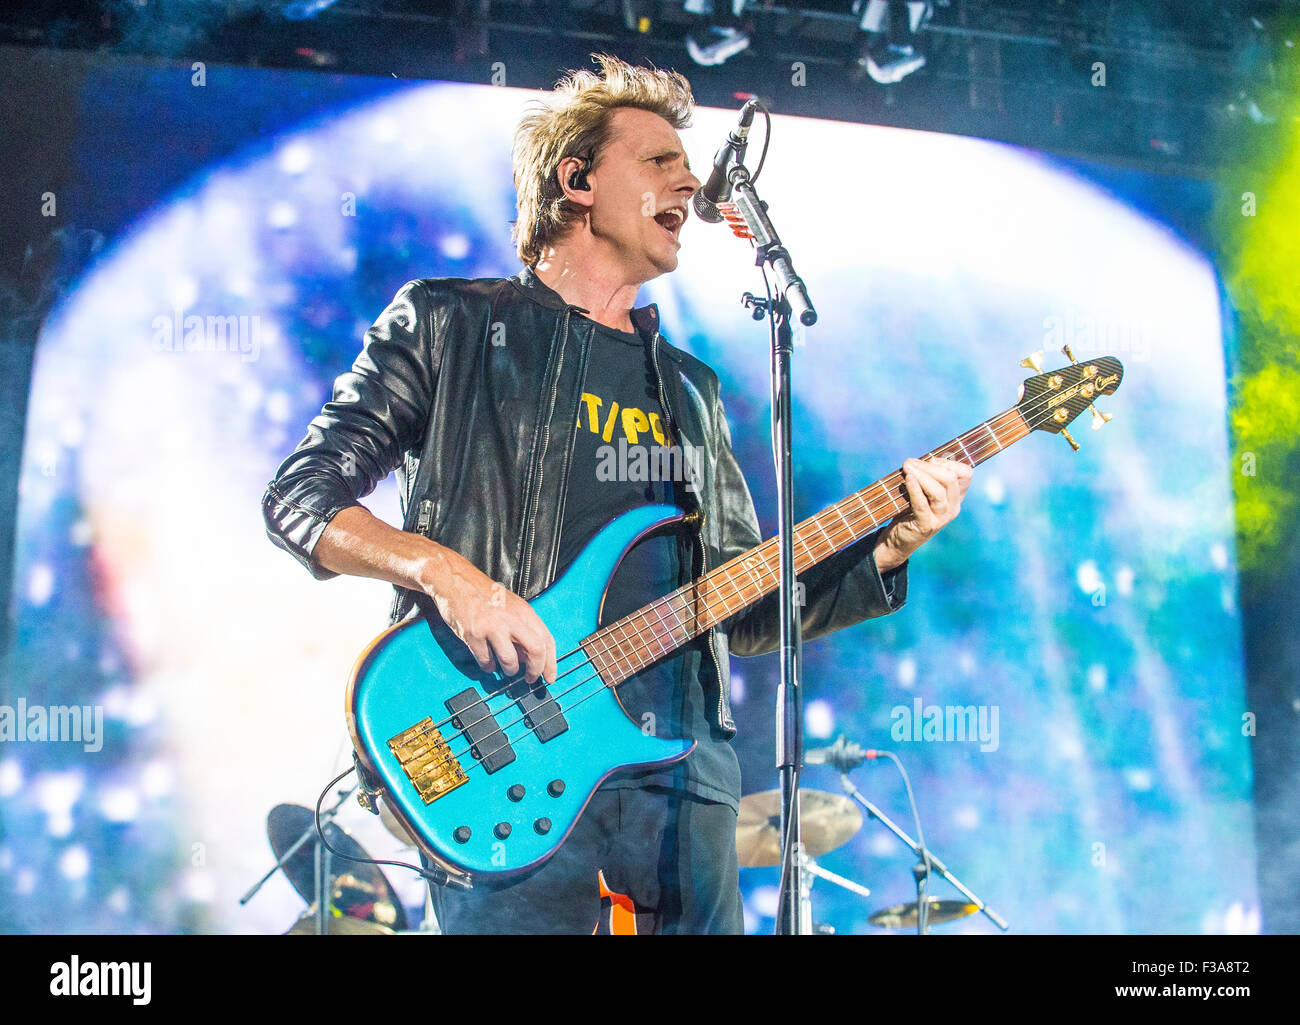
574	121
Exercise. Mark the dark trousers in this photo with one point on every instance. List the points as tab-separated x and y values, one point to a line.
672	854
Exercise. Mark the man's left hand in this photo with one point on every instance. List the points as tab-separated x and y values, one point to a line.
935	489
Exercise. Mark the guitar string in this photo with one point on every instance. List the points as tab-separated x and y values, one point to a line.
981	456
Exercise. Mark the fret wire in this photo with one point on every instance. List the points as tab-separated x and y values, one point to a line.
986	426
622	657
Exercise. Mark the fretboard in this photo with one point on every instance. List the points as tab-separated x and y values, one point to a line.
655	631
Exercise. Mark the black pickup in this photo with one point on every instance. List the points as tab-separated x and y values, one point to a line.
541	713
487	743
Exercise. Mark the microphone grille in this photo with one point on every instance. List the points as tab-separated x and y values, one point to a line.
705	210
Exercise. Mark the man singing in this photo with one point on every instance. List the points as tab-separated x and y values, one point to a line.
501	401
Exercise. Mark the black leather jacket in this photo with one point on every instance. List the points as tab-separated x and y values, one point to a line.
471	389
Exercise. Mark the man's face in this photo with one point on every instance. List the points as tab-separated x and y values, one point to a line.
641	178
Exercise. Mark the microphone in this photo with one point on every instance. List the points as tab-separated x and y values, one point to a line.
843	755
718	189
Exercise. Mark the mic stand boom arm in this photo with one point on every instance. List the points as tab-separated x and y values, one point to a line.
935	864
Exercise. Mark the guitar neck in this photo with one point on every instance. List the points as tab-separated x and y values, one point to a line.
642	638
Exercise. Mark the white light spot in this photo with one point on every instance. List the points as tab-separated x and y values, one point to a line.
282	215
295	158
1219	555
967	817
40	584
81	533
240	284
1124	577
24	881
737	688
11	777
119	901
454	247
995	491
1138	779
765	900
277	407
120	804
819	718
906	671
1240	921
1088	577
59	824
1097	678
57	792
74	863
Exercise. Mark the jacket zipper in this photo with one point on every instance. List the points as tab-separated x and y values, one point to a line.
526	565
699	536
424	518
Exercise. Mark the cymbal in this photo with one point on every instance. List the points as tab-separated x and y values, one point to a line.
338	925
903	916
825	822
359	890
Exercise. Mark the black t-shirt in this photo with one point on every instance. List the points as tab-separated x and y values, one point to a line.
620	412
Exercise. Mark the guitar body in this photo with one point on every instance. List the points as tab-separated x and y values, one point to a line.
520	795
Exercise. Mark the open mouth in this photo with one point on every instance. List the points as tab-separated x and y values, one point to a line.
670	221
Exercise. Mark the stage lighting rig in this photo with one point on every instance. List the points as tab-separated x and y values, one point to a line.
889	47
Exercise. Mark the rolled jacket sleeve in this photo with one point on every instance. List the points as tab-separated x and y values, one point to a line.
378	411
842	590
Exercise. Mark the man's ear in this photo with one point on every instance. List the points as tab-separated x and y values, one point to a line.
572	175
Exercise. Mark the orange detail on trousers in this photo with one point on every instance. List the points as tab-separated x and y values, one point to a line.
622	912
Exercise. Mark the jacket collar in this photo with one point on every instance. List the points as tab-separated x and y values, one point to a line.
644	318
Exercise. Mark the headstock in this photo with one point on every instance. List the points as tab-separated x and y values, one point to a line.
1051	402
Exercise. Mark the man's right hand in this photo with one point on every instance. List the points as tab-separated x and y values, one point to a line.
500	629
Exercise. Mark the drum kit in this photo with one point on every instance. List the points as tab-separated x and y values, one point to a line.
362	902
827	822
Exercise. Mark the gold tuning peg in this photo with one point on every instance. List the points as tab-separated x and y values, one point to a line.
1034	361
1073	444
1098	417
1068	354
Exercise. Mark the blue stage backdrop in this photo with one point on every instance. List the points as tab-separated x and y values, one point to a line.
1083	605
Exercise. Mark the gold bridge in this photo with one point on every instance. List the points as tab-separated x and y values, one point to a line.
427	760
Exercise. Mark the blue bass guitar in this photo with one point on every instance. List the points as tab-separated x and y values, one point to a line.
489	774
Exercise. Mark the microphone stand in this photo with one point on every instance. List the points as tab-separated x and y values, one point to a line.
919	870
321	864
747	216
